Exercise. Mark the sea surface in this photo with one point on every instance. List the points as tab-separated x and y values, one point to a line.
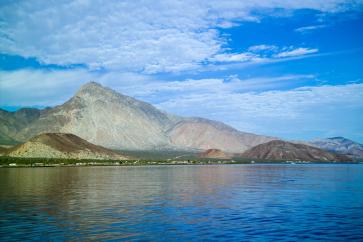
258	202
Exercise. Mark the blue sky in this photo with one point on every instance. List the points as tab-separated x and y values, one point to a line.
291	69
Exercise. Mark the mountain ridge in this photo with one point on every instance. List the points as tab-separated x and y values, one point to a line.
105	117
340	145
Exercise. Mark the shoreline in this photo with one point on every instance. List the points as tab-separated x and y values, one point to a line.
174	164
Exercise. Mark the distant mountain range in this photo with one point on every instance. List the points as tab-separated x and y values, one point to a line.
103	117
340	145
59	145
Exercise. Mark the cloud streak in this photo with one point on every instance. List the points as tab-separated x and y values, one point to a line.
308	29
296	52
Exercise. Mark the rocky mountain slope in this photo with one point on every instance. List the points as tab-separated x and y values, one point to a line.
14	122
215	154
61	145
105	117
206	134
340	145
282	150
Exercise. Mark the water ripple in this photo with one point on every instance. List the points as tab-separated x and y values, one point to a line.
183	203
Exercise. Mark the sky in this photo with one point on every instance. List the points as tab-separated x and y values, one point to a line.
284	68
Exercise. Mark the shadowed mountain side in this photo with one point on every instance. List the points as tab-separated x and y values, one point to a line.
282	150
13	122
61	145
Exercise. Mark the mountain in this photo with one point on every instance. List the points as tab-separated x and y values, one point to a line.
340	145
13	122
282	150
105	117
215	154
61	145
206	134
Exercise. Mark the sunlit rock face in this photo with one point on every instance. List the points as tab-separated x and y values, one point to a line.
207	134
105	117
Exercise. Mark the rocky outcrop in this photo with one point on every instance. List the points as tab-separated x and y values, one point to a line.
282	150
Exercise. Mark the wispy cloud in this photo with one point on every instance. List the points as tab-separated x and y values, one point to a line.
295	52
259	48
299	113
46	87
147	36
308	29
262	54
236	57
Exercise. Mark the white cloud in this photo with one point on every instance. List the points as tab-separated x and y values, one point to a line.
148	36
307	29
299	113
269	104
295	52
260	54
154	90
236	57
47	87
258	48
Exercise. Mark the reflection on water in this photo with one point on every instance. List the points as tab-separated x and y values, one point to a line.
226	202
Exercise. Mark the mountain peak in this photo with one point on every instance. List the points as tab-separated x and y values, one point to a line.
94	90
91	86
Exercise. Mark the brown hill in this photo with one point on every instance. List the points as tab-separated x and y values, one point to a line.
282	150
215	154
61	145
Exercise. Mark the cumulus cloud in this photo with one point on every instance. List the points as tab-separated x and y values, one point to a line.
144	36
